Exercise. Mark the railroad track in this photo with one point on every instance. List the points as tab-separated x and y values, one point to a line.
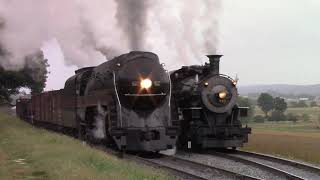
282	167
181	168
196	170
188	166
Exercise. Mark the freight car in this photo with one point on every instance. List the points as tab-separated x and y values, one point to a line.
205	103
124	101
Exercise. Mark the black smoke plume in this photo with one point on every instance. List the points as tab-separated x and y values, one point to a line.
132	18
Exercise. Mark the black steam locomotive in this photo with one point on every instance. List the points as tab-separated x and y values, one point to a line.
124	101
205	103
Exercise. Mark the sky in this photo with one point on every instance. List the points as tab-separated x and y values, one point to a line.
271	41
263	42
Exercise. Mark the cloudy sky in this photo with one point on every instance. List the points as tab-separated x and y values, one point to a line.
263	41
271	41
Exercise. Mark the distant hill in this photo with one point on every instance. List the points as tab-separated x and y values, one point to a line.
281	89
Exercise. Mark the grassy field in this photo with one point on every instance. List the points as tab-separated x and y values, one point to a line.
32	153
300	140
299	146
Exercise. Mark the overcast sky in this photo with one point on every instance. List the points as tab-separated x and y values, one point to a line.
263	41
271	41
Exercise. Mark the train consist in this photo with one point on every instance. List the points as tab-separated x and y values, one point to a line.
133	103
124	101
205	103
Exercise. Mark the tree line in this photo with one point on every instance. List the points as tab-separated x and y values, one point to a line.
32	75
274	109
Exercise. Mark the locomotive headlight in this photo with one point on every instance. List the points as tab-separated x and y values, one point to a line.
146	83
222	94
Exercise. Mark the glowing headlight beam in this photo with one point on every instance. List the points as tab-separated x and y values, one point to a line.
146	83
222	95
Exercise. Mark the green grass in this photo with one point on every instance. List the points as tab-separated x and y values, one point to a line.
292	145
300	140
32	153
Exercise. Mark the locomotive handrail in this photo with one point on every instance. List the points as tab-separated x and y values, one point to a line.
170	94
116	90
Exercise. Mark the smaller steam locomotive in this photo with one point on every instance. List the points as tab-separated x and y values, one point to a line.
204	101
124	101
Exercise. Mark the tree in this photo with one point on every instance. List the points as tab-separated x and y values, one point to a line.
277	116
33	75
265	102
280	105
246	102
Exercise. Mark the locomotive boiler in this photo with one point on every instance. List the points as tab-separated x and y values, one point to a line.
205	103
124	101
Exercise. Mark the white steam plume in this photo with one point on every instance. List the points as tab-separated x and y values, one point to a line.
132	18
185	30
179	32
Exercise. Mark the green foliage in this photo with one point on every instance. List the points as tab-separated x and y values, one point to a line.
246	102
292	117
265	102
280	105
259	119
33	75
277	116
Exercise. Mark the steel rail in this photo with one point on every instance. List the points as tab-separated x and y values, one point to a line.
197	165
159	163
258	165
307	167
174	171
135	158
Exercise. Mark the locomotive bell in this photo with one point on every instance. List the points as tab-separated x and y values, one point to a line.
214	63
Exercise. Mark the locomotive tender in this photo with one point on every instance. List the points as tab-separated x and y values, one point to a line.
205	103
124	101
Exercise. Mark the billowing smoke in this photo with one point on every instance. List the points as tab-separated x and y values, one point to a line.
132	18
185	31
89	31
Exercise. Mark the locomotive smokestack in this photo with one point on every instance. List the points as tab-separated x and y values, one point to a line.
214	63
